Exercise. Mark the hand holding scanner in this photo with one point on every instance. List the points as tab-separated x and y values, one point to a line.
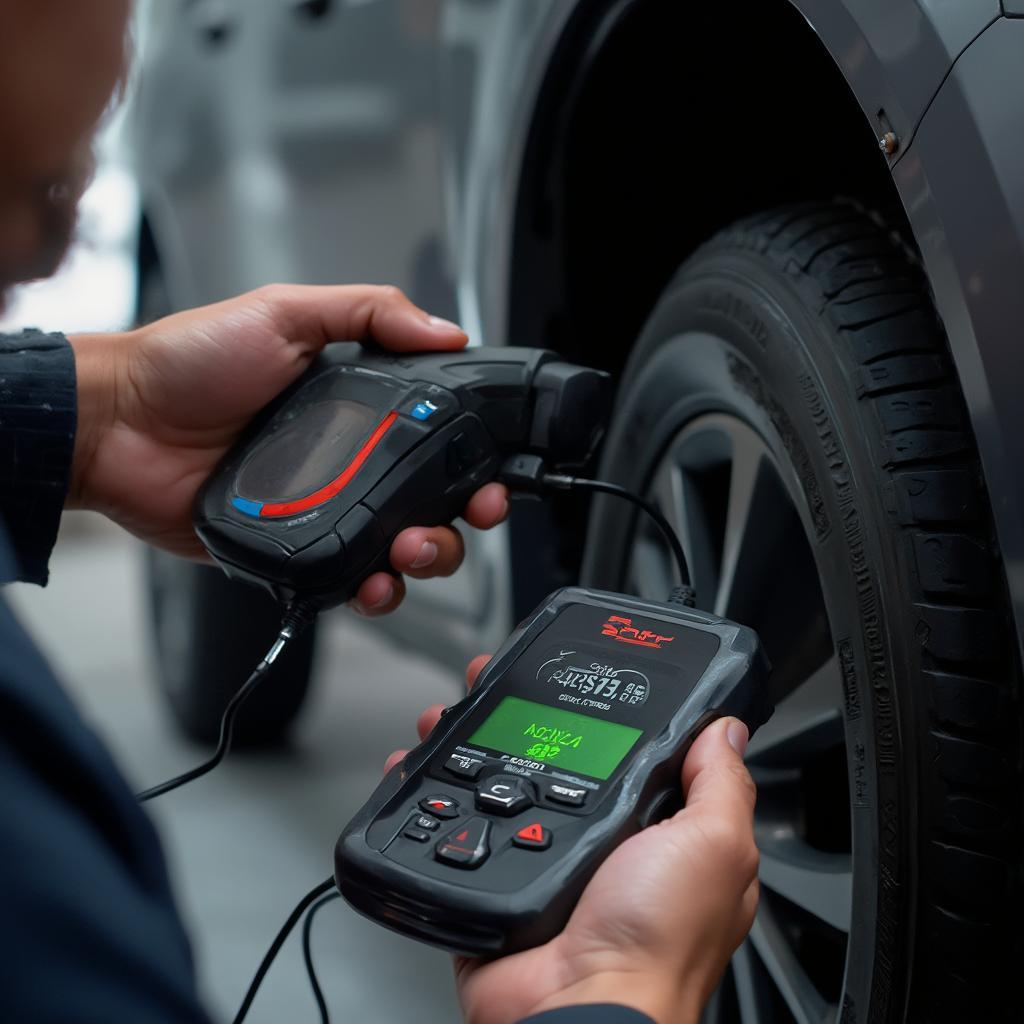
482	840
367	443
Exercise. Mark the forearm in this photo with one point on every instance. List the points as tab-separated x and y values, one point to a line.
97	368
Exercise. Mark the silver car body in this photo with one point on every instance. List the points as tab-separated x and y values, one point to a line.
384	140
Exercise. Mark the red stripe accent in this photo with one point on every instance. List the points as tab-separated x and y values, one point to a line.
328	491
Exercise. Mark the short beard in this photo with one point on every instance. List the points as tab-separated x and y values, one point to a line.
54	206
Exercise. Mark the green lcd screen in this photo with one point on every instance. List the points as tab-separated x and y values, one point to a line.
563	739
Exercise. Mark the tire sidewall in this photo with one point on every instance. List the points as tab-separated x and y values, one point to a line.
732	334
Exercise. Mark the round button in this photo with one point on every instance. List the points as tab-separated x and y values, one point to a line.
440	806
504	794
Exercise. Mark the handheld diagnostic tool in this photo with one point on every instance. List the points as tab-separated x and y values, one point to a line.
367	443
572	739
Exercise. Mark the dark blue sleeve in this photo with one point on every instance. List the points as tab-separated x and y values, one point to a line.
604	1013
88	929
38	411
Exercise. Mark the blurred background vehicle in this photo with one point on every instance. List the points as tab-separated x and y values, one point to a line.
824	398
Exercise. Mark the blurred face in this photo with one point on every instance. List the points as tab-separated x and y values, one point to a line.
60	61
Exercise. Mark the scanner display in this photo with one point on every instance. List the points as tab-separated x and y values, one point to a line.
308	451
577	743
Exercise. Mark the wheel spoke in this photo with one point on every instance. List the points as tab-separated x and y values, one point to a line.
651	572
796	988
821	883
744	479
806	723
750	986
677	498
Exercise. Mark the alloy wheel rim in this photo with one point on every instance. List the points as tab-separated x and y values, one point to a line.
732	502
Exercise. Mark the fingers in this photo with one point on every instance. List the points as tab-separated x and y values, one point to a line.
378	594
383	314
714	767
432	715
488	507
428	719
720	796
475	667
422	551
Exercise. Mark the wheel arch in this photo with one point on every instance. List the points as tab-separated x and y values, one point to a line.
605	207
603	214
606	210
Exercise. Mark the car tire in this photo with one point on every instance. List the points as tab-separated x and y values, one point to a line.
792	405
209	633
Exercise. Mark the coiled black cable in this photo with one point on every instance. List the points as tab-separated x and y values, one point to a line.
296	618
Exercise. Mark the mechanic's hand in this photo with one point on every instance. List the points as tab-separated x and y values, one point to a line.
657	924
160	405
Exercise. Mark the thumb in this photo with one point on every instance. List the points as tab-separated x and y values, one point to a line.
322	313
715	779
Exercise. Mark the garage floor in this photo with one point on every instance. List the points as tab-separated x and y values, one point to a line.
248	841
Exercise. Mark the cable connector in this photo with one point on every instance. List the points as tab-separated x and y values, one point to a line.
524	474
298	615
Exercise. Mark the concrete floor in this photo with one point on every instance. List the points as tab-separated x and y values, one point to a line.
246	842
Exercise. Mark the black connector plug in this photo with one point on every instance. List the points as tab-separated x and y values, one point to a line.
524	474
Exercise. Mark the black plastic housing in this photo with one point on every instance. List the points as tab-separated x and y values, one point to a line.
717	668
427	431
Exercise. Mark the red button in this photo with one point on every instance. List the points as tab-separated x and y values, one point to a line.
440	806
533	837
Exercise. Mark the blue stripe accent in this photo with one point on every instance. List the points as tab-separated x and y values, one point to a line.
250	508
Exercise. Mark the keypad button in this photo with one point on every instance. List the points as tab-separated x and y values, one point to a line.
416	833
504	794
533	837
425	822
440	806
465	766
573	796
466	846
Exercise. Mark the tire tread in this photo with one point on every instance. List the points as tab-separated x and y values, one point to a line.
864	282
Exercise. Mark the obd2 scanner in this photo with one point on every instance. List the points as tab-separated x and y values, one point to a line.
368	442
572	740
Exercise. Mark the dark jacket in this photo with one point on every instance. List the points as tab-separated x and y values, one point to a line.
88	927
